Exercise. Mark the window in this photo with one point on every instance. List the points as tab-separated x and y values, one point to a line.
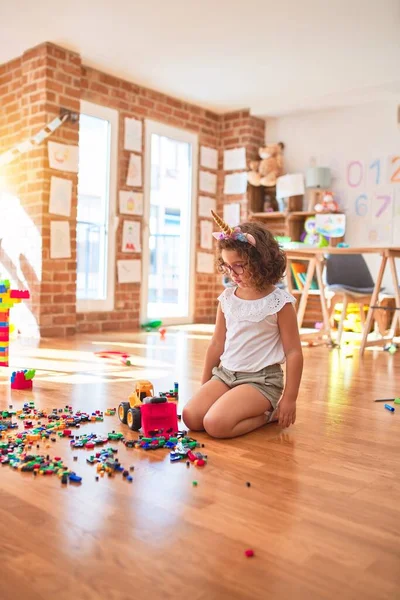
169	224
98	146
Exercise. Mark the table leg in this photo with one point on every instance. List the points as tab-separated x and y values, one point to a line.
325	313
395	280
374	300
289	275
304	294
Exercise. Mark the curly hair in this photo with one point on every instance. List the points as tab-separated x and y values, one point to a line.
266	262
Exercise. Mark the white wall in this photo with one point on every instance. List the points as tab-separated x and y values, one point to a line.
333	138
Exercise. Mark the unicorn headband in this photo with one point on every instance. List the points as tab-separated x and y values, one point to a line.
228	232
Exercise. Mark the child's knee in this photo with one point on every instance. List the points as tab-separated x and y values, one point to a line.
192	419
215	427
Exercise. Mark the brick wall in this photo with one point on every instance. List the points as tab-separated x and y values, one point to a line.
32	90
137	102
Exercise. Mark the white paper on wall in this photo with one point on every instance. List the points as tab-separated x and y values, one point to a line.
205	262
206	238
235	184
131	236
63	157
208	182
129	271
232	214
60	196
60	240
130	203
134	177
235	160
133	135
206	205
209	158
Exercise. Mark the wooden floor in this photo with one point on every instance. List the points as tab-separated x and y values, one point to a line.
322	513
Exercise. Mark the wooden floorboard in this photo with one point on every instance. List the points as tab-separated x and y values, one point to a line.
322	513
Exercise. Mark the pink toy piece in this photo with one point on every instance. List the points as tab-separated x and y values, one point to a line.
20	294
20	383
161	416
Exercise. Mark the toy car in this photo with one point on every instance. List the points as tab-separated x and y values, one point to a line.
129	412
147	411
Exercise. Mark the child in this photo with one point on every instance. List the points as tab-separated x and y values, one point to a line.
256	331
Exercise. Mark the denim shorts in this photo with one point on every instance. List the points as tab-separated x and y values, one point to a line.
268	381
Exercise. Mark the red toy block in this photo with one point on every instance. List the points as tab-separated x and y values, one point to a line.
192	457
20	383
21	294
161	416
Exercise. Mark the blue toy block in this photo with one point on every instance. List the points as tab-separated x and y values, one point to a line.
74	478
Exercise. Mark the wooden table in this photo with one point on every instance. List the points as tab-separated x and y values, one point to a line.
316	258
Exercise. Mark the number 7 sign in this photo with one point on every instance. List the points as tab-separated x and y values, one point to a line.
383	205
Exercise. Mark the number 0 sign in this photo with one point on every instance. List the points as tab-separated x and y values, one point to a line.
355	173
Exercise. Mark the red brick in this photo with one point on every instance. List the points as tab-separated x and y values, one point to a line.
98	87
146	102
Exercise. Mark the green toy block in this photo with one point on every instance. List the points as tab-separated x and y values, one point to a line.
397	400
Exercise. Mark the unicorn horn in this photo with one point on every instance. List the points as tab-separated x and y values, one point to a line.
224	227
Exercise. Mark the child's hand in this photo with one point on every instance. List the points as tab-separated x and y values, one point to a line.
287	412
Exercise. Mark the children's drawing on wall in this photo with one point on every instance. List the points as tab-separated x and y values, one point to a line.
63	157
134	177
130	203
131	236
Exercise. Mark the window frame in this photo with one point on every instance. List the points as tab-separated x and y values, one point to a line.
182	135
112	116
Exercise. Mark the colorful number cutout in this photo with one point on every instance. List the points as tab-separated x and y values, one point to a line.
361	205
395	178
386	200
355	164
376	164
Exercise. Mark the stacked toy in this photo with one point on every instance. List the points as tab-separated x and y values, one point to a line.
22	380
8	298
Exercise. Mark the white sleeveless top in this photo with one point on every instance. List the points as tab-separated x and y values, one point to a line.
252	339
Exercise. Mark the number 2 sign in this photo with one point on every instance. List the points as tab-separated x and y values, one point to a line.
394	169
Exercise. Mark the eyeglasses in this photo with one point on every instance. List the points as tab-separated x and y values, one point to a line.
236	269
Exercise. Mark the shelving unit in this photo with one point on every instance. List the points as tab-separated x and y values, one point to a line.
283	223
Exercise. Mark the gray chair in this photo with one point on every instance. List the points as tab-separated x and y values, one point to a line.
347	276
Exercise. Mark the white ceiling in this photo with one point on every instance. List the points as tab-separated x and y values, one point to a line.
272	56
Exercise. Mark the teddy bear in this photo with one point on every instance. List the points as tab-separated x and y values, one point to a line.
269	168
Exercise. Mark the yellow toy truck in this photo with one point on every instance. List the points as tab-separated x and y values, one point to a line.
129	412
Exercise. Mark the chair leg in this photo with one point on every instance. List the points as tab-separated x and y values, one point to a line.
332	304
342	318
362	313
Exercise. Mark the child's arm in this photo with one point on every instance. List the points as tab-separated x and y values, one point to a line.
216	347
289	331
